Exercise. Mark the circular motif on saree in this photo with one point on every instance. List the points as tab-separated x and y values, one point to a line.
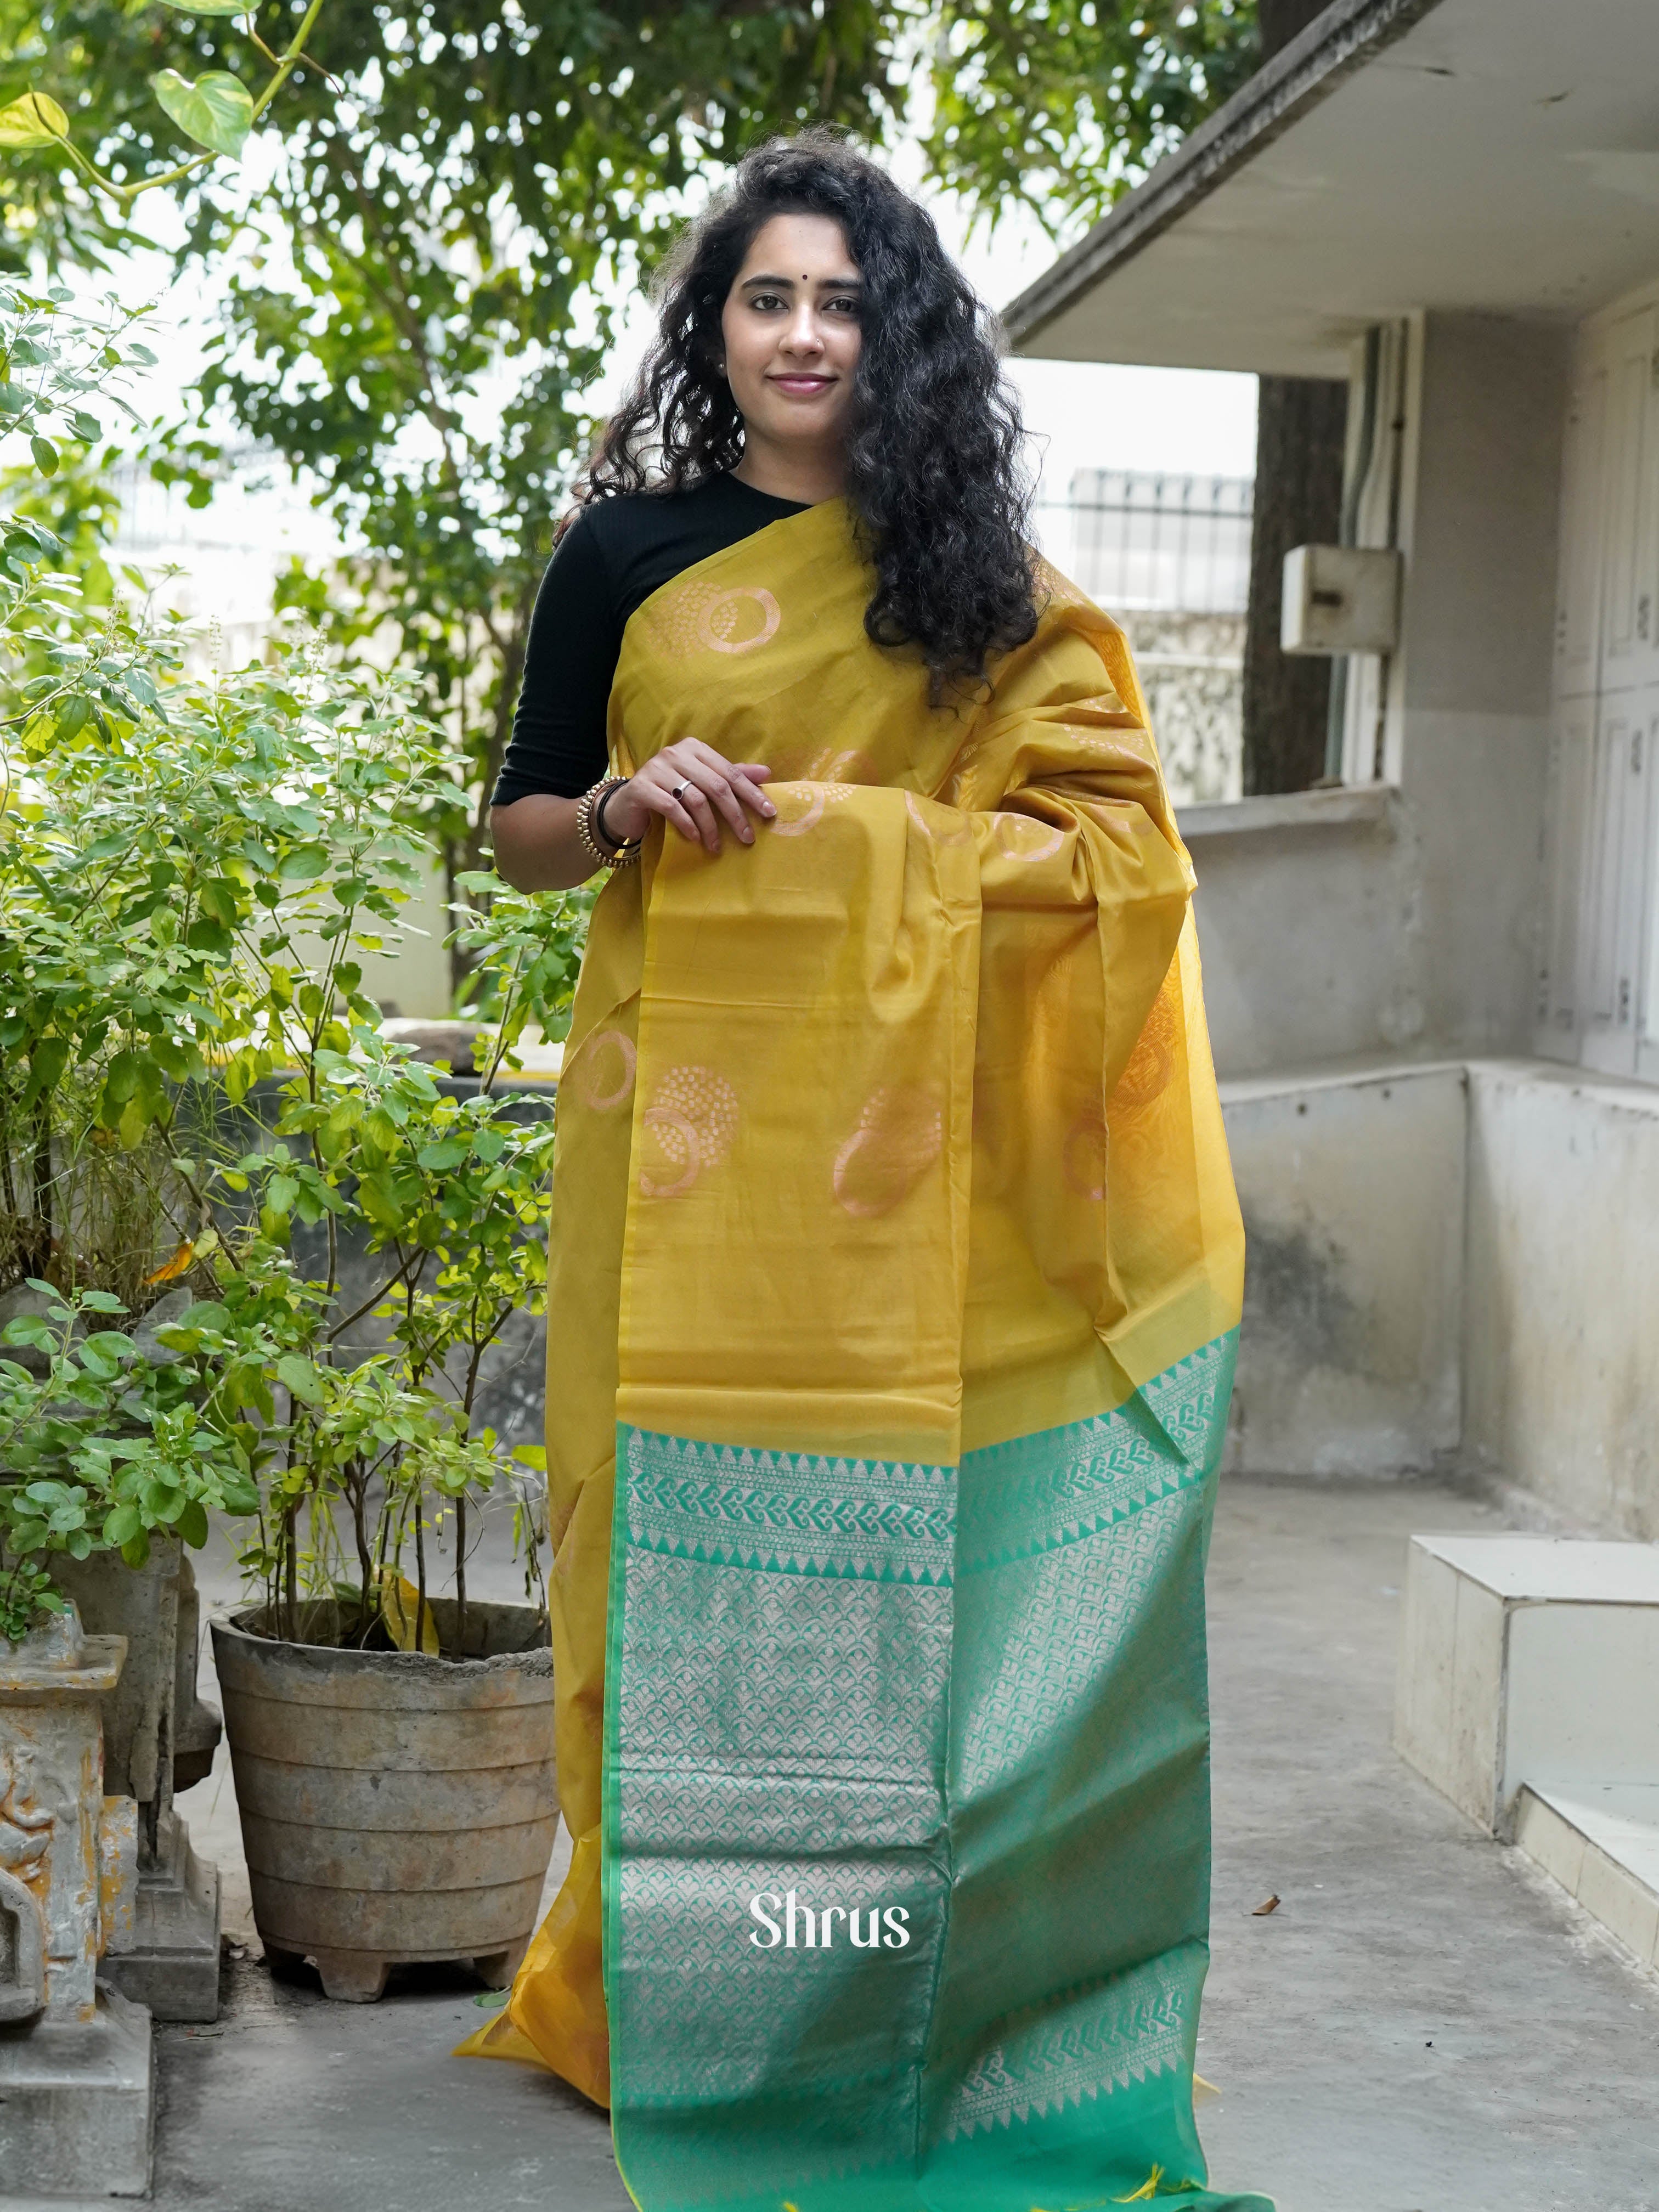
832	767
739	620
604	1070
901	1133
688	1125
817	796
1048	841
1148	1070
669	1143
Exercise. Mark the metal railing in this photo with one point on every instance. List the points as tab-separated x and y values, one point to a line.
1136	539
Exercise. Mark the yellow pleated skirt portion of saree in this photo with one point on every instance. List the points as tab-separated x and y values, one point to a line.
896	1270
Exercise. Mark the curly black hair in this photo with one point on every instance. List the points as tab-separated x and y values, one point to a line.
934	473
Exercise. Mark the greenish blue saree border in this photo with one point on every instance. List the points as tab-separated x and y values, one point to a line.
1000	2115
1056	1486
610	1903
788	1512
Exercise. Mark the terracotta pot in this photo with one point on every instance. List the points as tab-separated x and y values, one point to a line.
395	1806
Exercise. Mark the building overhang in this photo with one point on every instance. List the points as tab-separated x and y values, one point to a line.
1496	156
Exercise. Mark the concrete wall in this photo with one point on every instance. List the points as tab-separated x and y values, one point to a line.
1351	1189
1480	499
1328	930
1303	912
1561	1333
1453	1264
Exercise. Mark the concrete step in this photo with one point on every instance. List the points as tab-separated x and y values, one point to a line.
1601	1842
1528	1660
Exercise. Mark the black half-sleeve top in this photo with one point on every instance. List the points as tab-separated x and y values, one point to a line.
609	561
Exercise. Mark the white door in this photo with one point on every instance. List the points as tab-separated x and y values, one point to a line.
1616	883
1566	820
1598	969
1577	626
1630	458
1647	1037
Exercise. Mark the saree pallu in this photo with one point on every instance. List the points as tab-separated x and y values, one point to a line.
896	1271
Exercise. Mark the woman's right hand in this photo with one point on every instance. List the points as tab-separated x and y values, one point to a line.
690	785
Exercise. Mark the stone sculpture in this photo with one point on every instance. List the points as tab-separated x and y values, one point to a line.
77	2101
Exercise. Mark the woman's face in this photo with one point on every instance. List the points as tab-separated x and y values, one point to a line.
791	332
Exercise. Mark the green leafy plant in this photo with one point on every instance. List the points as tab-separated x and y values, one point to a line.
192	867
105	1444
447	1197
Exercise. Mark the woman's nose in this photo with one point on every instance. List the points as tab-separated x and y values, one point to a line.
802	335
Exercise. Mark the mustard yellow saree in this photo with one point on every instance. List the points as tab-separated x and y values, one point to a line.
896	1271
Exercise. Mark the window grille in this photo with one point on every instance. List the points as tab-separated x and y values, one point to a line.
1139	540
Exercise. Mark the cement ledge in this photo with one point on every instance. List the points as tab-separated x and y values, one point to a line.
1341	39
1625	1094
1348	806
1360	1071
1622	1094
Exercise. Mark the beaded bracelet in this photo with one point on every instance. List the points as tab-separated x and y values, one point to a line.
590	826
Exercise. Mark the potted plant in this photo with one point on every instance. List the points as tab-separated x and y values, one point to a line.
392	1748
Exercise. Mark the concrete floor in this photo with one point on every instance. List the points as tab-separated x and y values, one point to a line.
1424	2024
1427	2023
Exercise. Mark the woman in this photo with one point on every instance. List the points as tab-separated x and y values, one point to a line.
895	1273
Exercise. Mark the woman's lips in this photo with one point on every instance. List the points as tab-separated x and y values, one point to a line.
802	383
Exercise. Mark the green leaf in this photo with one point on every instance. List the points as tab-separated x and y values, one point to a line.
105	1354
45	456
301	1378
34	120
303	865
122	1525
210	7
448	1152
192	1524
217	111
218	898
135	1549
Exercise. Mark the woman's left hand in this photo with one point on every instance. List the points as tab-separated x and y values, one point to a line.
690	785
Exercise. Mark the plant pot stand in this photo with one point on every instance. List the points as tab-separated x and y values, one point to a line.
360	1977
